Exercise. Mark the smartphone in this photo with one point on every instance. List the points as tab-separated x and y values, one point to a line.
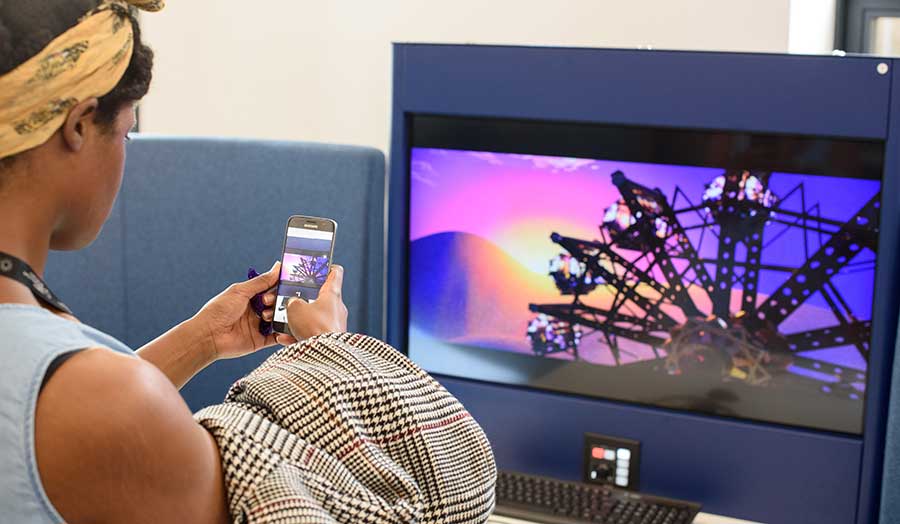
305	263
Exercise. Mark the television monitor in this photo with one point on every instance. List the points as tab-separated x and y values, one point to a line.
729	274
692	250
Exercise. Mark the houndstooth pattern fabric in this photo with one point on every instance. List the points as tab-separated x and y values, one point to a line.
342	428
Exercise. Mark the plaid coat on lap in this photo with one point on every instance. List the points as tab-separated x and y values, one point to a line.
342	428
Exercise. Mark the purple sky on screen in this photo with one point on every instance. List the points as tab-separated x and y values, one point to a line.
517	201
304	269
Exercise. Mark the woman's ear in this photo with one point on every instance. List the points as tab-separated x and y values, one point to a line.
80	118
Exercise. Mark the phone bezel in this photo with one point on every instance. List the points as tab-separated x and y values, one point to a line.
303	222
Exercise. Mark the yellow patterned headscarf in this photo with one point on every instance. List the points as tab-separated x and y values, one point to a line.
86	61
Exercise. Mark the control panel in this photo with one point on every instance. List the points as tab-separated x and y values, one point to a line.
612	460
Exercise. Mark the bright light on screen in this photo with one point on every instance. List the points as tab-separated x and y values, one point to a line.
739	292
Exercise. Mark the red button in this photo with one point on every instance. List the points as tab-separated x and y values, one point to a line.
598	453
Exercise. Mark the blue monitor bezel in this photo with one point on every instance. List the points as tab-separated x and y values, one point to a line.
438	79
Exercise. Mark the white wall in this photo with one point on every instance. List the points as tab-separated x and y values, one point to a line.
298	69
811	26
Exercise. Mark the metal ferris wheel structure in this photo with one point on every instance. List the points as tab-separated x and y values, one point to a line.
693	310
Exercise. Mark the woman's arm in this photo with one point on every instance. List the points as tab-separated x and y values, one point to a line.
181	352
116	443
226	327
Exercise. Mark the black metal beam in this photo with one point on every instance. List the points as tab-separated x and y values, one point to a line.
637	198
836	253
567	313
578	248
832	336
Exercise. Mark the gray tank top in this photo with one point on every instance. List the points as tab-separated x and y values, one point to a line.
30	339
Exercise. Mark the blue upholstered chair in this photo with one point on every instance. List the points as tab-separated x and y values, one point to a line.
193	214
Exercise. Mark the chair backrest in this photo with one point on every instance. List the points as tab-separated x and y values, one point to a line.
193	214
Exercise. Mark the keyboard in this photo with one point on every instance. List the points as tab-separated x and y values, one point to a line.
551	501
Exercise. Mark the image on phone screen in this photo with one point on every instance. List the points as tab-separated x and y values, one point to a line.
304	267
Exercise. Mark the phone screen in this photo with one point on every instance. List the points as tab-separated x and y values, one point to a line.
304	267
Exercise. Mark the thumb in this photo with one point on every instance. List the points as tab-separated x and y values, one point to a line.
335	282
285	340
260	284
296	306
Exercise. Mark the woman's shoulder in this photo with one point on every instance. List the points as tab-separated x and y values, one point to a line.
31	340
135	434
32	330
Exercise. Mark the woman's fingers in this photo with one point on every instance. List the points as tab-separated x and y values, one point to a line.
268	301
259	284
260	304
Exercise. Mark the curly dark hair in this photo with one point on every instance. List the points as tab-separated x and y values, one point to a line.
27	27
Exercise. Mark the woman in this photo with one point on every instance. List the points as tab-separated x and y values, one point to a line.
89	431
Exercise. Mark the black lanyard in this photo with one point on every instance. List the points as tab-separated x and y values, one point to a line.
18	270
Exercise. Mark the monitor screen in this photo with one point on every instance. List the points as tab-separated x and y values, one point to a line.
725	273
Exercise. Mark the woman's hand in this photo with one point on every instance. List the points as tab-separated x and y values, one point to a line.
229	322
327	314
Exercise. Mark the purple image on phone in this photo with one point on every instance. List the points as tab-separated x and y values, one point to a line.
305	263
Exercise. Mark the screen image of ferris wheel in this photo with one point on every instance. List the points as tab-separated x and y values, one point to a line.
739	292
